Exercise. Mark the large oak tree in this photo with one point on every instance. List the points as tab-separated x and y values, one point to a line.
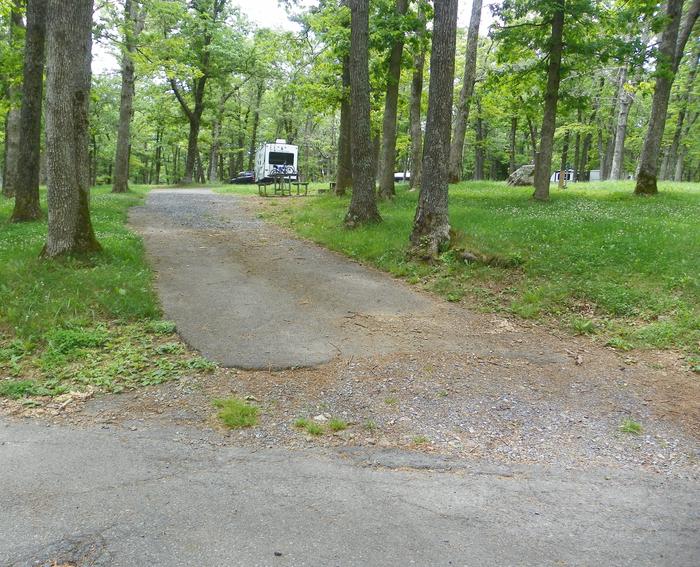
69	55
431	226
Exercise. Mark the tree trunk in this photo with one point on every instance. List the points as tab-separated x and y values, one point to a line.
14	116
387	157
415	113
577	147
533	138
465	95
673	42
564	157
256	121
543	164
431	226
513	132
479	148
363	205
343	180
27	188
214	150
610	148
682	111
159	155
69	44
133	23
617	168
678	170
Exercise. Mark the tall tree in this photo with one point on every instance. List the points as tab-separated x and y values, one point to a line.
543	163
387	156
69	55
134	18
363	204
343	179
431	226
673	41
465	95
27	188
416	101
682	112
13	117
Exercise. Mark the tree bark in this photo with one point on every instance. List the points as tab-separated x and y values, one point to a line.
682	112
27	189
617	167
564	157
680	157
256	121
214	150
543	164
387	157
610	147
673	40
133	24
363	205
415	111
69	44
431	225
465	95
13	118
343	179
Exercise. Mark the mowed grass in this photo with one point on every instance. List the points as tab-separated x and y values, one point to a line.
71	324
595	259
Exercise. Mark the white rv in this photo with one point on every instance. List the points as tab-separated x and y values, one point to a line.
273	158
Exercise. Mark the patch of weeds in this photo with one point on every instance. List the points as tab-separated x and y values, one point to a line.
161	327
236	413
391	401
694	363
420	440
369	425
582	326
16	389
631	426
619	343
201	363
170	348
442	394
336	424
67	341
310	426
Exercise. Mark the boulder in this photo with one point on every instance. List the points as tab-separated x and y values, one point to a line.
522	176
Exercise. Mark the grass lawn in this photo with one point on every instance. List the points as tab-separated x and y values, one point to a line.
66	325
595	259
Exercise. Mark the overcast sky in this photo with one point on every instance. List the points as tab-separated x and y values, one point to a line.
268	13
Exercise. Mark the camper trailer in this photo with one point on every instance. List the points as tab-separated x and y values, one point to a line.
277	158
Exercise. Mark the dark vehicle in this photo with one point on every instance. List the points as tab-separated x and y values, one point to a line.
244	177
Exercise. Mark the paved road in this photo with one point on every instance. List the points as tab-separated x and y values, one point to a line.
161	497
246	295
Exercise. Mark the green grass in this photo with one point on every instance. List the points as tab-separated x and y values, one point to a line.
236	413
94	322
420	440
595	260
336	424
631	426
310	426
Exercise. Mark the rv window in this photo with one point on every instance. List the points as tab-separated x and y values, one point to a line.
280	158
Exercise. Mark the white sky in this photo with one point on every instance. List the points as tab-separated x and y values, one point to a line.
268	13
